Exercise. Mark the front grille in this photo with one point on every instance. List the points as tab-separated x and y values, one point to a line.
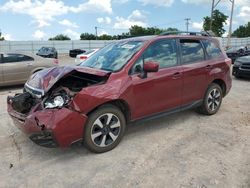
245	66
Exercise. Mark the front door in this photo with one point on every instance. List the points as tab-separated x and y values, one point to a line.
159	91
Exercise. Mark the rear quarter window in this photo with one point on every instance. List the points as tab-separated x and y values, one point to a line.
191	51
213	51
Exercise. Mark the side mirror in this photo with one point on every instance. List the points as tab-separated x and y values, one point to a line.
149	66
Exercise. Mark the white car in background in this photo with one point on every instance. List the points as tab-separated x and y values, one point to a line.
82	57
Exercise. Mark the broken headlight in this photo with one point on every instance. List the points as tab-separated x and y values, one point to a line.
57	101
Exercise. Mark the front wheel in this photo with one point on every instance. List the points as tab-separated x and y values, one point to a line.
104	129
212	100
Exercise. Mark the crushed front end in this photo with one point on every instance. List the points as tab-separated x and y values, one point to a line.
48	117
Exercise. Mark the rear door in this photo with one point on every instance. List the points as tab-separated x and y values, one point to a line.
16	68
195	69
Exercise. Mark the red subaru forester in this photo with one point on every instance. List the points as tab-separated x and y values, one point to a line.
126	81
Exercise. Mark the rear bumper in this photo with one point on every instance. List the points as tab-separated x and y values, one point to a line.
50	127
237	71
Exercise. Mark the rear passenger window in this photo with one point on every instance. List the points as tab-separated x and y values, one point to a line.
191	51
213	51
9	58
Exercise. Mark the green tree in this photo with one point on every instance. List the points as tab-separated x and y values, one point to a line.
242	31
141	31
219	20
1	38
87	36
105	37
60	37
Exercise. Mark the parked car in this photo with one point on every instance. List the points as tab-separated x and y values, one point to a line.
241	67
75	52
238	52
82	57
126	81
49	52
16	68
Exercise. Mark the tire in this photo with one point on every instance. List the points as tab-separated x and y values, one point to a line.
212	100
104	129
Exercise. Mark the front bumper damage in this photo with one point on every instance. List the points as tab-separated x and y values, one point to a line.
50	127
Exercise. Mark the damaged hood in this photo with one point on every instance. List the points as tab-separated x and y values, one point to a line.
42	81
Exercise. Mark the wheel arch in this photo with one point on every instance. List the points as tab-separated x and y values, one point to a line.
222	84
119	103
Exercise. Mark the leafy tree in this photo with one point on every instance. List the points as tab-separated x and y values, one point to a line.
140	31
1	38
219	19
105	37
242	31
87	36
60	37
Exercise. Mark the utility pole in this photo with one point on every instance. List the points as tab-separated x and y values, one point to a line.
187	22
214	5
96	32
230	25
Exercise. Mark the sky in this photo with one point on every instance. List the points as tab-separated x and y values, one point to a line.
42	19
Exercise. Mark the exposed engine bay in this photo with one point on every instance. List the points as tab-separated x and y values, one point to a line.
59	95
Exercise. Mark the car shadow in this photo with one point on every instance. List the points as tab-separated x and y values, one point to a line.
11	88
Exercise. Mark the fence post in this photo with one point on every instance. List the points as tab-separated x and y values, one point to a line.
32	47
9	46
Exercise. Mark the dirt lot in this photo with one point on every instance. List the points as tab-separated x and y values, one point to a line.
181	150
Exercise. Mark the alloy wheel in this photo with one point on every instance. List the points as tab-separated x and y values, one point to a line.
214	99
105	130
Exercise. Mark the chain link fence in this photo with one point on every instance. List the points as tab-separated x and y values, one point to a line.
64	46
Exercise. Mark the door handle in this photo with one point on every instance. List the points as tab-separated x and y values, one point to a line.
176	75
29	64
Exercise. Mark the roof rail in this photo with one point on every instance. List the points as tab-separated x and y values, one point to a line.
202	33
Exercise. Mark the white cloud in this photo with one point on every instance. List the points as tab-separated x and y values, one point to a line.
106	20
45	11
197	25
166	3
7	36
68	23
103	33
94	6
39	34
245	13
72	34
135	18
197	2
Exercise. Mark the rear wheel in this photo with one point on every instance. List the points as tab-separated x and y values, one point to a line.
104	129
212	100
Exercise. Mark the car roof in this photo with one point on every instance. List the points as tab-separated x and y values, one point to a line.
155	37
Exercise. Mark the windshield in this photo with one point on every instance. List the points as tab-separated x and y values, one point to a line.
113	56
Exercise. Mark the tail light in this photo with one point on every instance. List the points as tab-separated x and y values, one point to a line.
228	61
55	61
83	57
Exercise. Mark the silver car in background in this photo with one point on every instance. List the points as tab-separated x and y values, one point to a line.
16	68
82	57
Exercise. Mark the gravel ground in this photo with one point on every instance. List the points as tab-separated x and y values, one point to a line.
184	150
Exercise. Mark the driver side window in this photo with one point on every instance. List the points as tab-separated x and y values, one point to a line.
162	52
